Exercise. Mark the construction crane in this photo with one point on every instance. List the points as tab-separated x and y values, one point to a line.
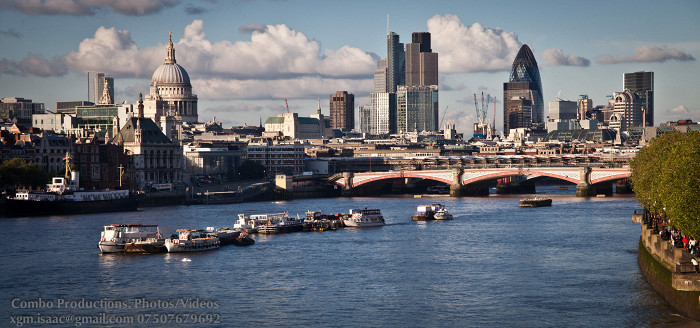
481	111
443	117
482	128
286	104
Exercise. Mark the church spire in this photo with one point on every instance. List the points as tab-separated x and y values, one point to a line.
140	106
319	106
106	97
170	51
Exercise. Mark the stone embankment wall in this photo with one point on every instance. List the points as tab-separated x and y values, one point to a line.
661	264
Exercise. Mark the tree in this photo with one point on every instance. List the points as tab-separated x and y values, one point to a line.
251	170
666	179
16	172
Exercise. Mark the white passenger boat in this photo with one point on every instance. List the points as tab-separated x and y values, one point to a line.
250	223
137	238
278	223
442	214
192	240
364	218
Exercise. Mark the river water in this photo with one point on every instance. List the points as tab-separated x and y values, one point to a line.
571	264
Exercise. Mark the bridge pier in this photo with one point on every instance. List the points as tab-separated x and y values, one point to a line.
583	188
623	186
456	186
347	190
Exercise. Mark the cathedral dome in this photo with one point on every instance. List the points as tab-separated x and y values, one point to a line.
170	73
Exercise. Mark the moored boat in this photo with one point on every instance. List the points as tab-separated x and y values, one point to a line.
192	240
364	218
279	223
131	238
64	196
247	223
535	202
243	239
226	236
317	221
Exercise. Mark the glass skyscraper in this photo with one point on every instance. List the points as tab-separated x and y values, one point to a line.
524	70
643	84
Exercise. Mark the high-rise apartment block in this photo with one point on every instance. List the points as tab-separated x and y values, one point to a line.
342	106
643	84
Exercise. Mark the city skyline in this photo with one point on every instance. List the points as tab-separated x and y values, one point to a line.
245	58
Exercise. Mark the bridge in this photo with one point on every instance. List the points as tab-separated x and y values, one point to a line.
465	182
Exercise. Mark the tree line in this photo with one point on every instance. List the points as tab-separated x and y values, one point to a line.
665	177
15	173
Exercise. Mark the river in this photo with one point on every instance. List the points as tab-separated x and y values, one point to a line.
571	264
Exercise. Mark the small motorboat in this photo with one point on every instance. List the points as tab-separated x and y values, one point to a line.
535	202
243	240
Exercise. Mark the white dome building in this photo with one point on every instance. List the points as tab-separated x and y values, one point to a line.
171	99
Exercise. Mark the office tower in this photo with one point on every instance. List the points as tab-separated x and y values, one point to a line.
380	74
523	92
96	86
643	84
627	110
396	62
383	112
365	114
416	108
584	106
342	106
421	62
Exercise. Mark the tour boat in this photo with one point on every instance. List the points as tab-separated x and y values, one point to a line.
364	218
131	238
278	223
192	240
64	196
535	202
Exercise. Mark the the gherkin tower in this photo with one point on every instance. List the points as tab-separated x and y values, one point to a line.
525	70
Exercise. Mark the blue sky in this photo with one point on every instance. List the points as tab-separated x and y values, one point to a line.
246	57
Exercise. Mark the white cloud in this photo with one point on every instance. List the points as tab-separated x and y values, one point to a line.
114	52
300	87
556	57
646	54
35	65
471	48
87	7
250	28
680	110
276	62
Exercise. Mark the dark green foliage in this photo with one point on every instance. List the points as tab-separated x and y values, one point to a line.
16	172
666	179
251	170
